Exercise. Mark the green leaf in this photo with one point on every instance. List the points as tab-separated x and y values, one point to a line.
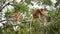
47	2
28	1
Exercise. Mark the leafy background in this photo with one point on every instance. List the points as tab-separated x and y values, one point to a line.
26	24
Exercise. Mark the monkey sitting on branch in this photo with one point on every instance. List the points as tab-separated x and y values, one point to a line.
38	12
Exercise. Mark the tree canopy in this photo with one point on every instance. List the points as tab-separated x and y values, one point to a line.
26	24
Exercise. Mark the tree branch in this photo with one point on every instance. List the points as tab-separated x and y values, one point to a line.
4	5
17	20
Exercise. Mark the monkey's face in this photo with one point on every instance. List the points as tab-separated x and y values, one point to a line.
41	10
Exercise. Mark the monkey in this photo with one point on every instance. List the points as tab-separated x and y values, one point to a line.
37	12
15	15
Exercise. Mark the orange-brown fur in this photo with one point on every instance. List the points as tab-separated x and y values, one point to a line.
36	12
15	15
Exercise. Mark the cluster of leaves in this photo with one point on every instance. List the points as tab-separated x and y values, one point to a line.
9	13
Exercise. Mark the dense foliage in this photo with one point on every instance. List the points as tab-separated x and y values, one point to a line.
28	25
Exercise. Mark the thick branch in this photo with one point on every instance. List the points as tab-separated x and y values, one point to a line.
7	20
17	20
4	5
